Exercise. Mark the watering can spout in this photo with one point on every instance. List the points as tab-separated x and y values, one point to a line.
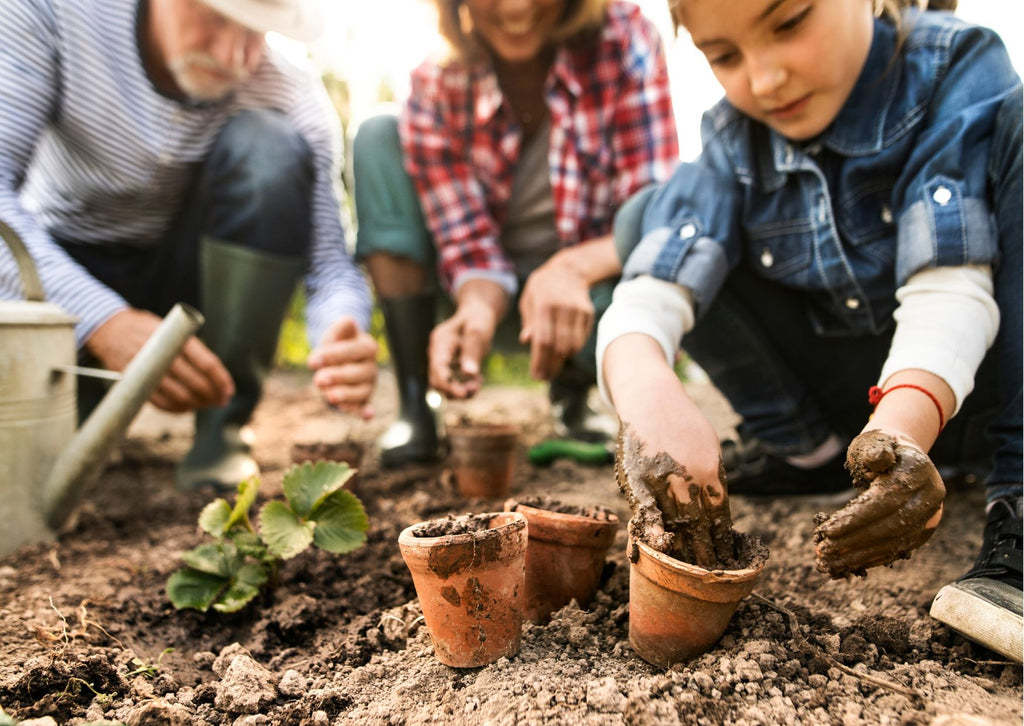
84	458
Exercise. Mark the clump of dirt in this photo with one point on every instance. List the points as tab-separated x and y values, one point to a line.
547	503
347	452
452	525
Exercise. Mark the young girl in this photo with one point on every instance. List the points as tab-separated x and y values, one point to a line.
504	171
853	223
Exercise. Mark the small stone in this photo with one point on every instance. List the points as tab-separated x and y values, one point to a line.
292	684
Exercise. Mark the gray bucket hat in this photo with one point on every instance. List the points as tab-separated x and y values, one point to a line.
296	19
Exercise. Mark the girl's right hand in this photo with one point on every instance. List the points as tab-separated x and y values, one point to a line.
669	452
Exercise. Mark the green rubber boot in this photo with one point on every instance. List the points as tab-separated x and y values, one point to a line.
416	436
244	296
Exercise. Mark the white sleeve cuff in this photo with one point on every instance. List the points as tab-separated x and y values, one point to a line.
946	321
656	308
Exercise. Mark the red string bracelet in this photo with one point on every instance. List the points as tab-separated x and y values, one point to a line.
876	394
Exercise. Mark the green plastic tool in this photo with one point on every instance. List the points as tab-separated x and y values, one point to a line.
582	452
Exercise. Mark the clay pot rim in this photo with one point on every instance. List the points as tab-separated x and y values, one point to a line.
514	505
704	575
516	521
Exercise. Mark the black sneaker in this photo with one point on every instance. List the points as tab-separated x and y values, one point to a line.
751	471
986	604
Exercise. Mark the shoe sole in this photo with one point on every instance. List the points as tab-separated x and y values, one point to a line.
977	617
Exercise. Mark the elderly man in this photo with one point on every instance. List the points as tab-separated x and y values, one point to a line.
155	151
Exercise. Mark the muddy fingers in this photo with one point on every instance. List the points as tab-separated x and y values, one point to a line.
895	515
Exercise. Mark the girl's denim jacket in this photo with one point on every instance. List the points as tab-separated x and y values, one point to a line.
896	184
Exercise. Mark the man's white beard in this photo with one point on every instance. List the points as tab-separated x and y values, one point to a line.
194	82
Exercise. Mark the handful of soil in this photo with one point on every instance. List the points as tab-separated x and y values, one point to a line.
697	530
897	510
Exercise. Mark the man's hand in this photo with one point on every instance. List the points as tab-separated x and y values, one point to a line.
897	511
557	316
345	365
196	379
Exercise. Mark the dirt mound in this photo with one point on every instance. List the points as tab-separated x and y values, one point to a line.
88	634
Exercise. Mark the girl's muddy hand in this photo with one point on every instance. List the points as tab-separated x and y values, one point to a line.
899	507
671	511
705	537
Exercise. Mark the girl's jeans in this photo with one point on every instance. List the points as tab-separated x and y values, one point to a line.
255	190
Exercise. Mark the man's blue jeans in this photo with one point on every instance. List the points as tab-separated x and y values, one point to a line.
255	190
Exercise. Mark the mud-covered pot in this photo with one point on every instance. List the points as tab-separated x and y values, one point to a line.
565	557
470	586
678	611
483	458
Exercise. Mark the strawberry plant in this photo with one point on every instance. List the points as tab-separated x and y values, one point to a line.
227	573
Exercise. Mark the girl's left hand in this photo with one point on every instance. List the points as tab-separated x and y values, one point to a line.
557	316
899	507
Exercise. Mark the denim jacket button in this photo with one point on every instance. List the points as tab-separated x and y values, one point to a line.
852	303
887	214
942	196
767	258
687	231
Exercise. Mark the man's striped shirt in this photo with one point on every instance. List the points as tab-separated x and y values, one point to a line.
91	152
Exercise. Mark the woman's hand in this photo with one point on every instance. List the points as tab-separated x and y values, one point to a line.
459	344
555	305
557	316
196	379
345	365
897	511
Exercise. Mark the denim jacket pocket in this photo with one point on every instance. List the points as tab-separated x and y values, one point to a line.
780	250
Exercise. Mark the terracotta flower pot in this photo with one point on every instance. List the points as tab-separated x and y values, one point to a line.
469	574
565	553
677	610
483	457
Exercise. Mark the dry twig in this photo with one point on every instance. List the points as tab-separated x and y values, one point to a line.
794	627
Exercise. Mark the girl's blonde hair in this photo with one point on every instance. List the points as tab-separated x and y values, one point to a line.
579	18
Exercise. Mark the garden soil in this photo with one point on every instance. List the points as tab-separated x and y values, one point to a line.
87	633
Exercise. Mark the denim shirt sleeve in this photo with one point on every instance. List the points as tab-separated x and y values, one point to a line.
690	232
940	199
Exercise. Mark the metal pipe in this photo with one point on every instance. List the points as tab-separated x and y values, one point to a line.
87	454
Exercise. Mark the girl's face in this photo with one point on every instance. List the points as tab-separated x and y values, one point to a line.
790	64
515	30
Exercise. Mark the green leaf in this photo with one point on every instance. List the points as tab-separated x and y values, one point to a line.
306	485
285	534
247	491
243	589
213	558
189	588
248	543
341	523
214	518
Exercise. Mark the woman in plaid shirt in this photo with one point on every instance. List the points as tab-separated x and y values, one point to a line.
504	169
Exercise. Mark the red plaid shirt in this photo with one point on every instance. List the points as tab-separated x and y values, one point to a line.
612	132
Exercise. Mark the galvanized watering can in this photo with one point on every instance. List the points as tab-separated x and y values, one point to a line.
45	464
